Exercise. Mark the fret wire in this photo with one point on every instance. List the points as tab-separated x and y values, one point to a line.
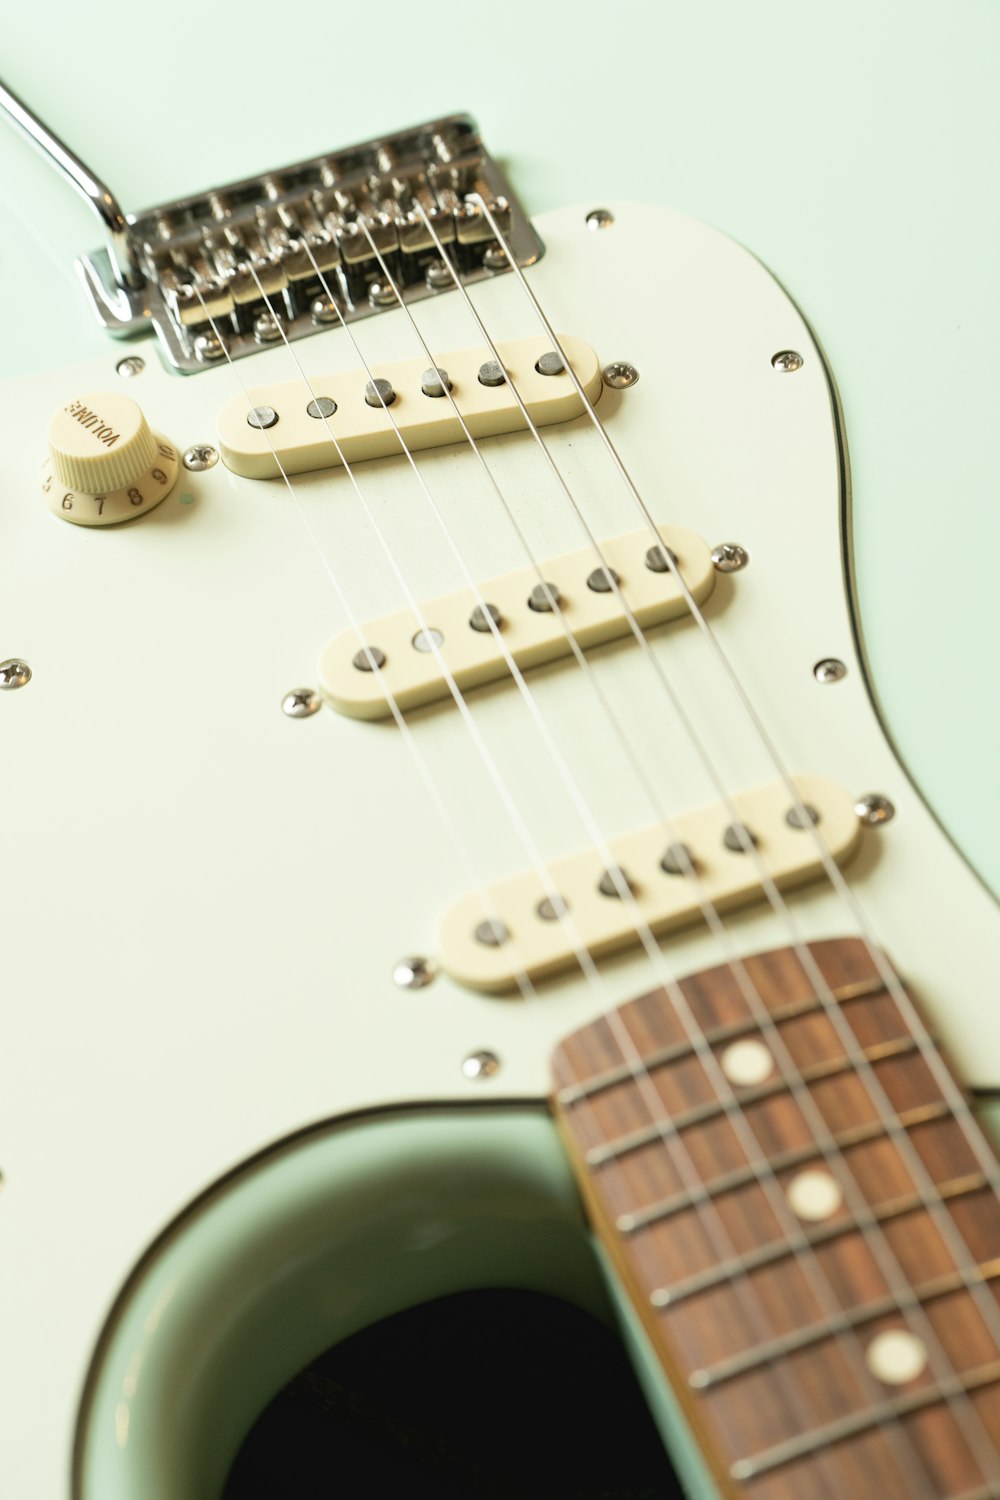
805	1443
712	1376
782	1161
767	1255
703	1113
573	1093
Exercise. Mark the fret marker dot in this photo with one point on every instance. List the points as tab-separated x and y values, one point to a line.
746	1063
896	1356
814	1195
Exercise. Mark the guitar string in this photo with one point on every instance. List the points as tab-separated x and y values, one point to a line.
956	1099
888	1262
820	1297
959	1250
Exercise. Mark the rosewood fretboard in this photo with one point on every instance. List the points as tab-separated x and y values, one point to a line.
808	1226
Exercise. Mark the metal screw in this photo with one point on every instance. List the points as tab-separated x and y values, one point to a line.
550	364
381	294
739	838
873	809
266	328
14	673
656	559
830	669
322	407
615	882
481	1065
208	346
786	361
619	374
368	659
414	973
200	457
494	258
482	615
677	860
602	580
379	392
301	703
323	310
492	932
729	557
600	218
435	382
262	416
492	373
438	276
543	598
132	364
428	640
551	908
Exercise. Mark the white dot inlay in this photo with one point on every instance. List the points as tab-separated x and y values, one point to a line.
814	1195
747	1062
896	1356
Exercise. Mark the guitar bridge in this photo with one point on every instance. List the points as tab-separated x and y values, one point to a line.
290	252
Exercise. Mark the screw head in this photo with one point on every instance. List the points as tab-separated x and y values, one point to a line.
14	672
600	218
481	1064
132	364
208	346
414	973
266	328
300	703
323	310
200	457
619	374
381	294
438	276
830	669
874	809
786	361
494	258
729	557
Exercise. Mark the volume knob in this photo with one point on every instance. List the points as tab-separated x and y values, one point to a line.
104	463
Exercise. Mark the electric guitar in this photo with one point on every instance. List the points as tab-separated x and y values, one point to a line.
451	842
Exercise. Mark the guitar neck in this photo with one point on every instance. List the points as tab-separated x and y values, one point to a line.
804	1214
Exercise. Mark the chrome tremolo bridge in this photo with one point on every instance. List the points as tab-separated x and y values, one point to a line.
292	251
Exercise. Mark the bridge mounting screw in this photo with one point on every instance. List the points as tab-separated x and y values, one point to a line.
481	1064
323	310
200	456
14	673
300	703
494	258
438	276
381	294
729	557
874	809
830	669
786	361
208	346
132	364
619	374
414	973
600	218
266	328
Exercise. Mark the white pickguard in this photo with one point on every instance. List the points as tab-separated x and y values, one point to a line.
203	899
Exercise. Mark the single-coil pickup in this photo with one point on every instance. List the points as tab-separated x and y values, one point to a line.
536	620
292	426
657	881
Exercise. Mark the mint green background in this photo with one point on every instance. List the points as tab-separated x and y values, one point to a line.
851	145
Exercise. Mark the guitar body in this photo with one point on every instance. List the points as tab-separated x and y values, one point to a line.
226	1128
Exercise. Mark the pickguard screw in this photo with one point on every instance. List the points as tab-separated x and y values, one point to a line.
132	364
786	361
729	557
481	1065
200	457
208	346
266	328
829	670
874	809
619	374
14	673
300	703
414	973
600	218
